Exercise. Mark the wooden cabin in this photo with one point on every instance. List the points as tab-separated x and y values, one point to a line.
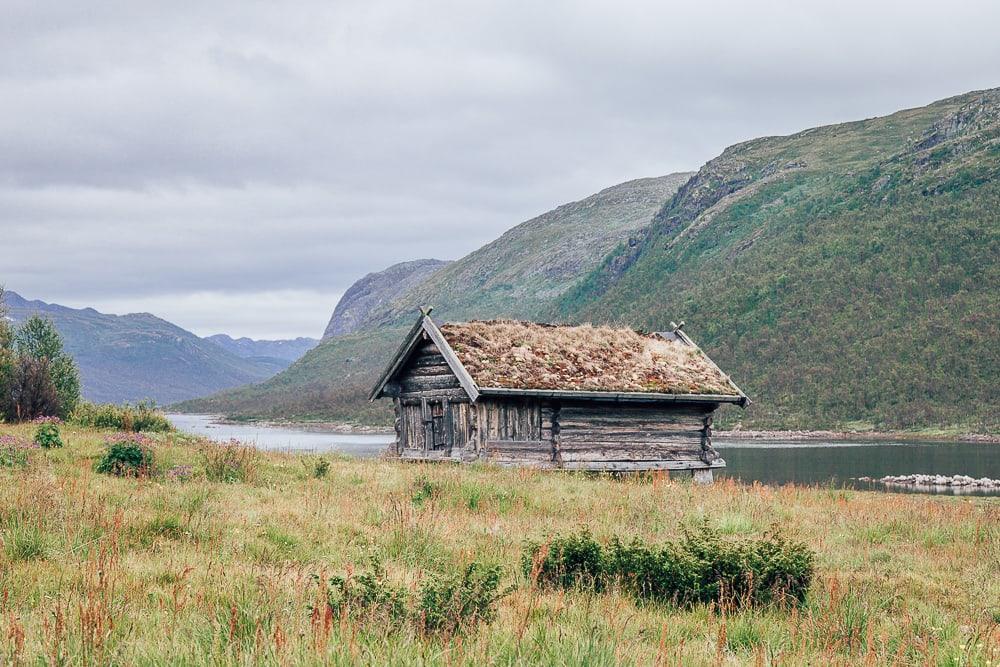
550	396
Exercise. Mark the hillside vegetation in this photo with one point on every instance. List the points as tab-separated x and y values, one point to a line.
226	556
374	291
845	277
520	274
846	273
331	382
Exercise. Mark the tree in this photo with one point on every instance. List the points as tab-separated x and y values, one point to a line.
37	338
44	377
33	394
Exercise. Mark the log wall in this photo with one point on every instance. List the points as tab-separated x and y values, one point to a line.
435	420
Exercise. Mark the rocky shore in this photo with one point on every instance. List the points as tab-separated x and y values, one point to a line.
956	481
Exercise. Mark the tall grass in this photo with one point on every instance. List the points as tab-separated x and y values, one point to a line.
96	569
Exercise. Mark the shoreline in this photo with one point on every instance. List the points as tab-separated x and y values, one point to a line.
896	436
739	434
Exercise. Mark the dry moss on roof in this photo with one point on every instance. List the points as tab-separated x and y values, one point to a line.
525	355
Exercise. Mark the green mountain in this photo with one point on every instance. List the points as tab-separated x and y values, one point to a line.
139	356
847	275
518	275
375	290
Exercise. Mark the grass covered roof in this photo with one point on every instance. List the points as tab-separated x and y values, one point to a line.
524	355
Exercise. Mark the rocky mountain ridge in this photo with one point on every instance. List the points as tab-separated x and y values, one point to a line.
140	356
374	291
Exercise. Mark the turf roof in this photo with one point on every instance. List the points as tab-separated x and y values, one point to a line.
524	355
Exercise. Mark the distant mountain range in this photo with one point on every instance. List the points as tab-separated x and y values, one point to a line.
140	356
276	354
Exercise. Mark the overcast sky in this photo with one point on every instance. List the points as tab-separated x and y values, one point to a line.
233	166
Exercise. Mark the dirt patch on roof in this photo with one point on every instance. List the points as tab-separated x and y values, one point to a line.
524	355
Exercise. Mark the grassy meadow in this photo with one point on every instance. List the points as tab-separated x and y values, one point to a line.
176	568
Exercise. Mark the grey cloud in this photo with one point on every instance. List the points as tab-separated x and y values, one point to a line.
237	149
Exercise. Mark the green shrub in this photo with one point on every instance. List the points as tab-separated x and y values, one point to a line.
455	602
232	462
566	562
701	567
47	434
321	469
127	456
368	596
143	416
446	603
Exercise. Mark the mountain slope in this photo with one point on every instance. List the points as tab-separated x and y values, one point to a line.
139	356
520	274
846	273
375	290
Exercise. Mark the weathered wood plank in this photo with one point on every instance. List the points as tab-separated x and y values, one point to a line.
413	384
518	445
693	437
626	466
453	395
421	360
425	371
621	454
647	422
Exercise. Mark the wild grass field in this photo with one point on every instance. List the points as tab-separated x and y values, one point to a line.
226	560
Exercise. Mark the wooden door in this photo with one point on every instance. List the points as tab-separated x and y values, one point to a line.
439	434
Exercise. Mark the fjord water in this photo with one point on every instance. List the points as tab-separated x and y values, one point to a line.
283	438
837	463
840	463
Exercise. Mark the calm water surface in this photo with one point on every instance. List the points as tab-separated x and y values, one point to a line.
839	463
767	461
283	438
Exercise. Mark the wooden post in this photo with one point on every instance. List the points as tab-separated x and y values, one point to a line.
425	416
449	430
398	424
556	450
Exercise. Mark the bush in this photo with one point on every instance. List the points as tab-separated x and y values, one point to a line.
143	416
566	562
232	462
46	380
47	434
127	456
321	469
701	567
447	603
369	596
30	391
458	601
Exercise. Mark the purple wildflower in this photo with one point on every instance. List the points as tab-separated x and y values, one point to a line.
46	420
